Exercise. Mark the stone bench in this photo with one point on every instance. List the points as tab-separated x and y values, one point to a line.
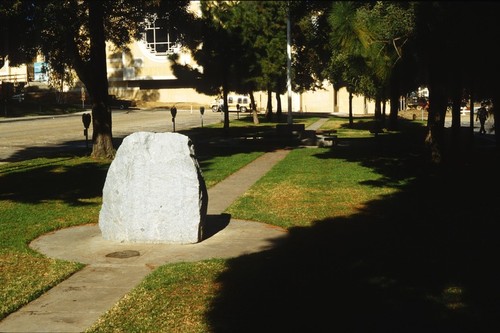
332	138
328	140
326	137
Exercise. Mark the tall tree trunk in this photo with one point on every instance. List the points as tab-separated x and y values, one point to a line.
269	108
351	120
456	103
378	116
279	111
378	108
394	102
496	123
254	109
102	138
335	100
383	116
435	121
226	109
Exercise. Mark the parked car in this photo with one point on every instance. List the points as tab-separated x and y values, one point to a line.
418	103
18	97
119	103
235	103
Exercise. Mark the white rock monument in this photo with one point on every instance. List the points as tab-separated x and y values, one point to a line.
154	191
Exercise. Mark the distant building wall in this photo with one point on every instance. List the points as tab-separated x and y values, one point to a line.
149	78
13	74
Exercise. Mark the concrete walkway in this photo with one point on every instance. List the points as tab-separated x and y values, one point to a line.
113	269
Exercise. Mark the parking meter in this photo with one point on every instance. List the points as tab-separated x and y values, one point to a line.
173	111
202	111
86	119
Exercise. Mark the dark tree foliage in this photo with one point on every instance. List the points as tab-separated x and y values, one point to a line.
75	33
453	51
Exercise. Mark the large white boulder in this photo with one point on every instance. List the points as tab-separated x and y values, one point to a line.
154	191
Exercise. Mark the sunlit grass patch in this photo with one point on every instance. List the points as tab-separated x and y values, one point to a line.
174	298
24	277
304	188
39	196
225	166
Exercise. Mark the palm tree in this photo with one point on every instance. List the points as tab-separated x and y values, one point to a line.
346	42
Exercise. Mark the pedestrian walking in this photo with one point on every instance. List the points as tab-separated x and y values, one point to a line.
482	115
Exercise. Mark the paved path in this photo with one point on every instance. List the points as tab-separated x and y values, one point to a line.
76	303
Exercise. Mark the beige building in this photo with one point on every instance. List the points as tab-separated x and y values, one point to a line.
12	79
13	74
145	75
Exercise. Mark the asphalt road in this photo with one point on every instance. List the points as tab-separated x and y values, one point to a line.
30	137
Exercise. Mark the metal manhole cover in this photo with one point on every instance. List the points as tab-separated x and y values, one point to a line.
123	254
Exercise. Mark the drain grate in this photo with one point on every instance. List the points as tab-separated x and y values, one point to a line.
123	254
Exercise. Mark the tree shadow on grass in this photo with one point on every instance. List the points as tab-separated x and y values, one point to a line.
54	180
423	259
50	180
403	264
63	149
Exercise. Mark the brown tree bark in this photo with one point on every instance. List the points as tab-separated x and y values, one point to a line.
435	120
97	86
496	117
269	108
279	111
394	103
378	124
254	109
351	119
226	109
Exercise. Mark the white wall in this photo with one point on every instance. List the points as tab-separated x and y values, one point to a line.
139	64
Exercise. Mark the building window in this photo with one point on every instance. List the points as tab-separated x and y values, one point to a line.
159	37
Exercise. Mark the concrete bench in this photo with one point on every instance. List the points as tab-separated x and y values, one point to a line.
328	140
332	138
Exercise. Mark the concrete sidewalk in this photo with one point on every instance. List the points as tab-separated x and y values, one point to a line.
113	269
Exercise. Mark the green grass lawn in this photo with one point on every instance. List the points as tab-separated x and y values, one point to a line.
379	240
